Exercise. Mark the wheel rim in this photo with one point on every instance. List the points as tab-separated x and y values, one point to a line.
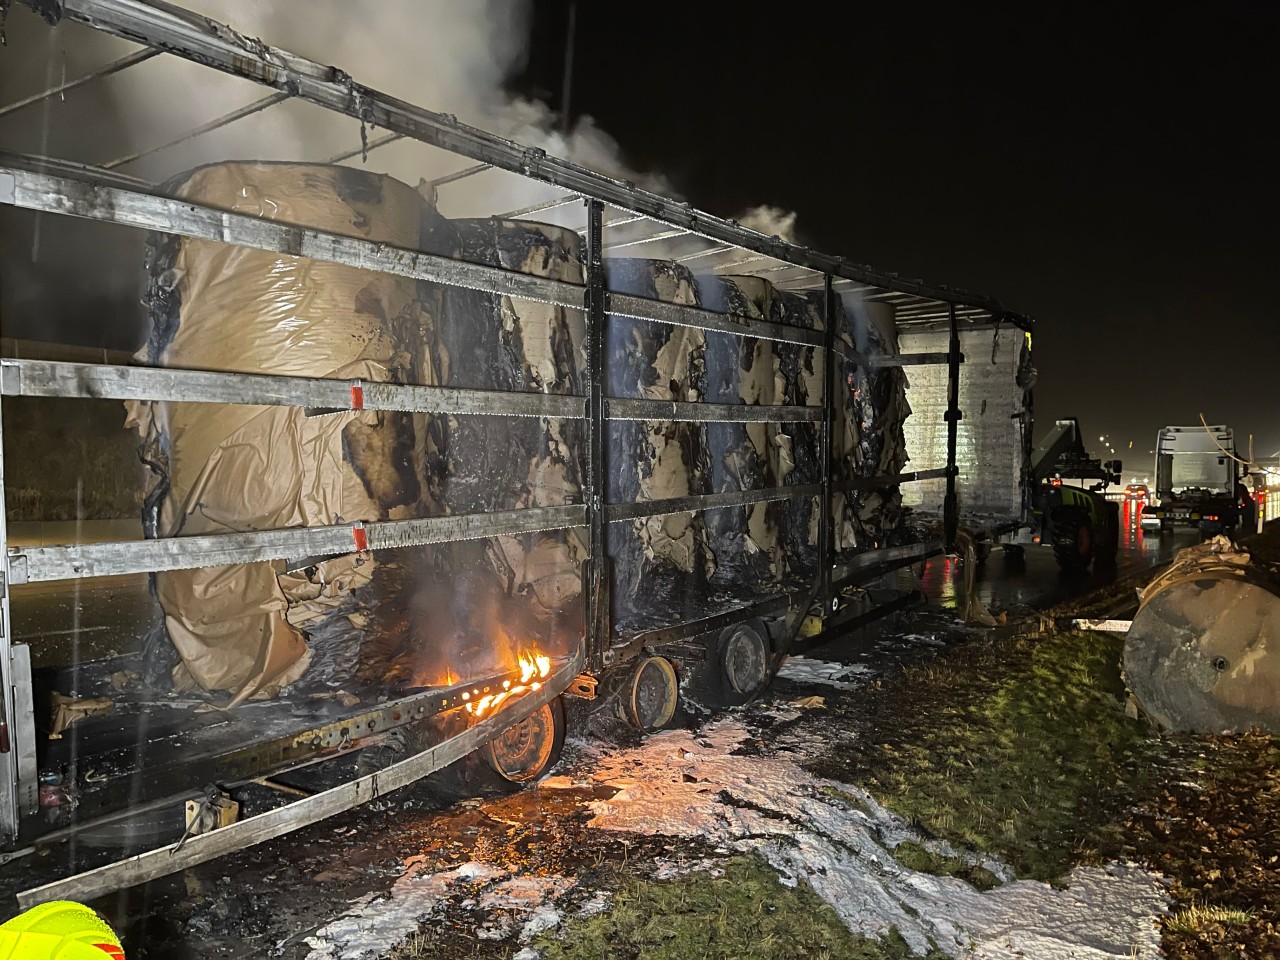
655	692
745	661
523	751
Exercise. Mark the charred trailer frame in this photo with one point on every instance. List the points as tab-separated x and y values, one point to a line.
828	596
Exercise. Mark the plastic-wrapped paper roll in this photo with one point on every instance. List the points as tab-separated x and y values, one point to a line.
224	468
661	564
1198	654
745	540
499	596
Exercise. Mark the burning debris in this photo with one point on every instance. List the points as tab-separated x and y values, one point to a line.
534	668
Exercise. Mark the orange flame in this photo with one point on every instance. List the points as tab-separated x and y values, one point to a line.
534	667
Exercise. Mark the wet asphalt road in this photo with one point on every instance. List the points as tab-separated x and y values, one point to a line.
1037	583
1016	587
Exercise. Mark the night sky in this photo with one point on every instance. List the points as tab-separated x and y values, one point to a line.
1110	172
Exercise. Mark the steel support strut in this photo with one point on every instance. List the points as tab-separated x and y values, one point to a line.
950	508
598	625
8	718
826	521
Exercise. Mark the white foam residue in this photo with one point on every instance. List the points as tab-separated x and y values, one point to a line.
840	840
373	926
544	918
805	670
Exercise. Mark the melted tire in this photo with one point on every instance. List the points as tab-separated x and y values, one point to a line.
526	751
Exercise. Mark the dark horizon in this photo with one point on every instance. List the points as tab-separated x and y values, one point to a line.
1106	172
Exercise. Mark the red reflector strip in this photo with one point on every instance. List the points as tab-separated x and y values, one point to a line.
111	950
362	539
357	397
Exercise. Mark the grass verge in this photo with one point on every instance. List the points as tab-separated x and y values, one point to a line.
1018	748
1214	831
745	914
916	857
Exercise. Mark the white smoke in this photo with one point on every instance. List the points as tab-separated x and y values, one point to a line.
450	57
771	221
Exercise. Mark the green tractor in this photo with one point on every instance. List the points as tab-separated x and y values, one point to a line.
1074	515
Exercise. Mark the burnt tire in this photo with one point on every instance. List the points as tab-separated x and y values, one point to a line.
739	664
525	751
1074	541
650	696
1108	546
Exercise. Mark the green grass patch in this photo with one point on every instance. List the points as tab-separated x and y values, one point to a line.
746	914
916	857
1199	918
1019	749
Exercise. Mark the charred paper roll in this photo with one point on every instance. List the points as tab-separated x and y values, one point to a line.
794	447
486	601
661	565
226	468
746	541
868	440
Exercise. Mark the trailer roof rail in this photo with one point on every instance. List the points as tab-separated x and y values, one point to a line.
182	33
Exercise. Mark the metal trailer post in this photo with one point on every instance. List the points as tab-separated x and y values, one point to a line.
826	523
18	792
950	509
595	483
8	719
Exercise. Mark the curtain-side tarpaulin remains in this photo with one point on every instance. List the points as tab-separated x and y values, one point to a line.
251	629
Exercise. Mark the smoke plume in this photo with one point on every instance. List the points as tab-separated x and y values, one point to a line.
452	57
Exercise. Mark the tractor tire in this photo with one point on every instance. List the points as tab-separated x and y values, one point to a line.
1073	539
1108	545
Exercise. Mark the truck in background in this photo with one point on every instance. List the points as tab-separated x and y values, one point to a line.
1197	479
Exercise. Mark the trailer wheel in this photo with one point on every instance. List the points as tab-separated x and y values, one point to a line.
529	749
1109	546
744	661
651	694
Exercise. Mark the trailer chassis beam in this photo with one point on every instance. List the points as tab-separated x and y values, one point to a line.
293	816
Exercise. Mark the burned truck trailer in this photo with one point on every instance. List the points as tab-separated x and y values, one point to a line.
413	477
